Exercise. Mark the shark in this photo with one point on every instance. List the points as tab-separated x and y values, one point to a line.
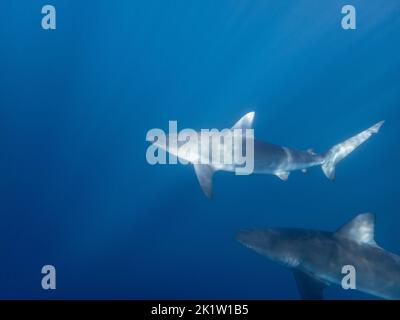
317	257
268	158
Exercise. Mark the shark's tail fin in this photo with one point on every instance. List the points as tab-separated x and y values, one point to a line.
342	150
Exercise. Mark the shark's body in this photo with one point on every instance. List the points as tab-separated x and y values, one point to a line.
268	158
317	257
277	160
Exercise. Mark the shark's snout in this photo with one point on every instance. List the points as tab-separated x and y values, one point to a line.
266	240
245	237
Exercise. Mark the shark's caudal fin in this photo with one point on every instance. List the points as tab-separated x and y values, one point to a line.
342	150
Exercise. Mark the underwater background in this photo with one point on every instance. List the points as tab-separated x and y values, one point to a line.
76	104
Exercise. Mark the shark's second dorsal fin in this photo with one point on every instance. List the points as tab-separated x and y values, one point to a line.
360	229
310	288
245	122
311	151
204	173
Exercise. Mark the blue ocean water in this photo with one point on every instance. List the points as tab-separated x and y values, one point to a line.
76	104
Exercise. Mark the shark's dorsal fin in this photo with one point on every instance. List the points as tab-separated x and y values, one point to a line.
360	229
310	288
245	122
204	173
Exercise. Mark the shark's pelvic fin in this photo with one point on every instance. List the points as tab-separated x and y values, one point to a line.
360	229
283	175
310	288
342	150
245	122
204	173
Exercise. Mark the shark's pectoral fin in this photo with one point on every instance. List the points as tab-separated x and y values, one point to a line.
204	173
309	287
283	175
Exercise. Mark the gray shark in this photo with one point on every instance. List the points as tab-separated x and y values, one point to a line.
317	257
268	158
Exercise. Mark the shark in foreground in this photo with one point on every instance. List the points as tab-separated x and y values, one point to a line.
268	158
317	257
